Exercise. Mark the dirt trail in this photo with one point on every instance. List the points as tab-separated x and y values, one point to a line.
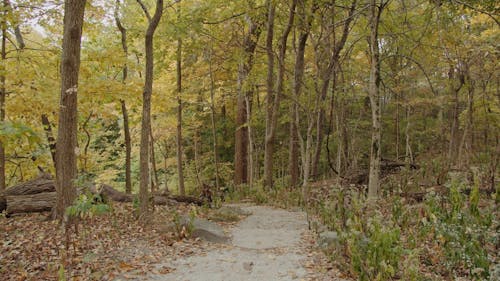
267	245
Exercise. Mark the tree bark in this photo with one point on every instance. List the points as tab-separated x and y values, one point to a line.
241	135
373	92
212	117
47	127
3	91
327	76
146	110
182	190
66	169
293	167
453	142
154	183
38	202
126	129
128	149
274	97
268	173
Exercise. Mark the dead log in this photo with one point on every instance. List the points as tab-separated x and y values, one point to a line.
38	202
109	193
39	195
43	183
187	199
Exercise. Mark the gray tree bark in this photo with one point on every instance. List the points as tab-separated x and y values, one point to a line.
373	92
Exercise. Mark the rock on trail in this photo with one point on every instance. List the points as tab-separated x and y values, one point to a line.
265	246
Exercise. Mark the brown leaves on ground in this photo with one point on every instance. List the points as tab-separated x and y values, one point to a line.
107	246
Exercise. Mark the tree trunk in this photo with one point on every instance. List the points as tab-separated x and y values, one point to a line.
408	151
214	129
328	73
274	98
182	190
373	92
66	169
241	135
155	183
3	92
128	149
251	166
268	173
468	134
293	168
165	166
146	110
453	142
47	127
126	129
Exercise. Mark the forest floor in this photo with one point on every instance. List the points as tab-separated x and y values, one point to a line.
269	244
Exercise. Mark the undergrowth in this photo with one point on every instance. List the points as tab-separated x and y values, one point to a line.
445	236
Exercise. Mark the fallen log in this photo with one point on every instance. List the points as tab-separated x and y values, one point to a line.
109	193
39	195
38	202
43	183
187	199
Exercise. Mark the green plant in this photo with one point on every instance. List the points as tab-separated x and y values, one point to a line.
61	275
375	255
461	232
259	196
87	206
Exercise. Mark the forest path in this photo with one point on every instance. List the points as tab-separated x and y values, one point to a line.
267	245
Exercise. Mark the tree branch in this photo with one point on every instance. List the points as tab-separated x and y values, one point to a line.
145	9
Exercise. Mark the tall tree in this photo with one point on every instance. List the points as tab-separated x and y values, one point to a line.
304	25
3	92
126	130
6	13
376	9
180	173
330	72
66	170
273	98
245	66
146	107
